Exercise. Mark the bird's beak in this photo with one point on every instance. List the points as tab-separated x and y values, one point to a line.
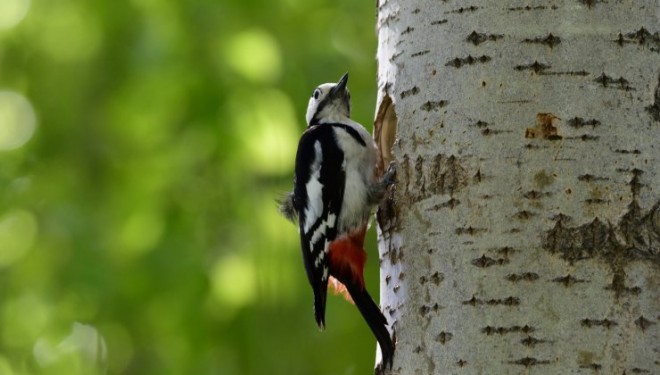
340	88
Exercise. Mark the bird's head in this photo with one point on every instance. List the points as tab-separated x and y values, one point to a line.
330	102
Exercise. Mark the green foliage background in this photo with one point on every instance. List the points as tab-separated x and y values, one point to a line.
142	206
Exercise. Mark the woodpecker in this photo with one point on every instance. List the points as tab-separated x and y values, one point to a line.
336	186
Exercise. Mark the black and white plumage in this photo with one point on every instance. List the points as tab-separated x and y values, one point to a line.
335	188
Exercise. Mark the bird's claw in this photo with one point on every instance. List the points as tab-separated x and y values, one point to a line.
389	178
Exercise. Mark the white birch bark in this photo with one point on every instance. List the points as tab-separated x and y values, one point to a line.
523	235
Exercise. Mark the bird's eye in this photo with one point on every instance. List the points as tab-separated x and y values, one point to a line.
316	94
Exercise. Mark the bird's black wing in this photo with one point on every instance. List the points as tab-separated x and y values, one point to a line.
318	193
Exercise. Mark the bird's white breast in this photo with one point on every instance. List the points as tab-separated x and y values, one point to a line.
359	166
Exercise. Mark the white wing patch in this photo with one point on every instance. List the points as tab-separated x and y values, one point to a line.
314	188
320	231
320	234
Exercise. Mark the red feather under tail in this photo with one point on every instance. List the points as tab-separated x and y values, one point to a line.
347	259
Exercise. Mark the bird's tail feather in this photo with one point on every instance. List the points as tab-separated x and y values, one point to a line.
320	297
374	318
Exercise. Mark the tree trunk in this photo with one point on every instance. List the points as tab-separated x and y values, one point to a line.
523	235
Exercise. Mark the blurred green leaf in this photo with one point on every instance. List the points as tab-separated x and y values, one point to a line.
142	146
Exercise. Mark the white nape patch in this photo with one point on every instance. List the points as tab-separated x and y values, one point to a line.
314	103
314	188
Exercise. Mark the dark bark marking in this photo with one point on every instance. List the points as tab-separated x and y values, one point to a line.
641	37
394	256
412	91
615	83
543	179
406	174
521	101
437	277
448	175
419	173
590	178
569	73
542	69
440	175
429	106
536	67
393	16
635	184
596	201
459	62
438	22
635	237
637	370
451	204
576	243
470	231
444	337
478	38
489	131
424	310
420	53
544	127
524	215
591	366
532	341
619	287
585	137
579	122
477	176
485	262
395	55
480	124
568	280
643	323
641	233
529	362
550	40
489	330
461	363
590	3
605	323
534	194
408	30
654	109
525	276
509	301
620	151
528	8
505	251
464	10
